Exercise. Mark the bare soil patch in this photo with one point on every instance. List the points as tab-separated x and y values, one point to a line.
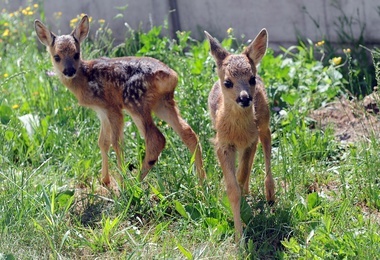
352	120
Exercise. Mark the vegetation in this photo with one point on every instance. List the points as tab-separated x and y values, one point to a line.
349	30
52	206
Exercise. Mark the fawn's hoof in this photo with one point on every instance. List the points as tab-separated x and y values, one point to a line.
269	190
270	197
106	181
131	167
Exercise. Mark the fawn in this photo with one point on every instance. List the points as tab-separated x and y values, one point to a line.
140	85
240	115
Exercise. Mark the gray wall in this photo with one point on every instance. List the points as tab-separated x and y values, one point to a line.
284	19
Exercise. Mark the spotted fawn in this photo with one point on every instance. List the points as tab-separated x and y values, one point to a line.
140	85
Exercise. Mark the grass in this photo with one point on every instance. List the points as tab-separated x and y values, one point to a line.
52	206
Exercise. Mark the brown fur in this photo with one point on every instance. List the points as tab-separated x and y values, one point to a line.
240	115
138	85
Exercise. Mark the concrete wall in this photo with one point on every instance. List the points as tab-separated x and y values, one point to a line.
284	19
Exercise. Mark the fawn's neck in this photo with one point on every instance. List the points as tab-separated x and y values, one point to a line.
236	126
78	84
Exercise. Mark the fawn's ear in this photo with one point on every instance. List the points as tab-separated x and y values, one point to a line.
217	51
43	33
81	31
256	50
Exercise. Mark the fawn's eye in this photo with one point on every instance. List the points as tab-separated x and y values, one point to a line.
252	81
228	84
57	58
76	56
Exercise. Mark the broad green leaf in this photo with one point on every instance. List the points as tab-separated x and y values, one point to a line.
245	211
181	209
5	114
7	257
184	251
64	199
312	200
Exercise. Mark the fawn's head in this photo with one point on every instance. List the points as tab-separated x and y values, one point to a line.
237	72
65	49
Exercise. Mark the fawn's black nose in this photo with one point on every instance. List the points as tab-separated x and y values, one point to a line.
244	100
69	72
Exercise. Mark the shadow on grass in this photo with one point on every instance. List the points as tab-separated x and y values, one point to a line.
266	228
88	207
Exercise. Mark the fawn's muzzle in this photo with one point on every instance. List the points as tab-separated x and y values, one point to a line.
244	99
69	72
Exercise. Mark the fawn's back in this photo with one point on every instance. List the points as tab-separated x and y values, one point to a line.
126	82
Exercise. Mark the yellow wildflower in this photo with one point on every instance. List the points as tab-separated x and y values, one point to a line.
73	22
89	17
347	51
28	8
320	43
6	24
6	75
336	60
6	32
30	13
230	30
15	106
57	15
101	21
35	5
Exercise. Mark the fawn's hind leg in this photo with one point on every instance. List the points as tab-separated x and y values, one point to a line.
154	140
168	111
265	138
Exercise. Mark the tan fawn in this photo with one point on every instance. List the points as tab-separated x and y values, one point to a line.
140	85
240	115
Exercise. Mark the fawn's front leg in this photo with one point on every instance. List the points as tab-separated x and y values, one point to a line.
116	120
104	143
265	138
245	162
226	155
111	131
